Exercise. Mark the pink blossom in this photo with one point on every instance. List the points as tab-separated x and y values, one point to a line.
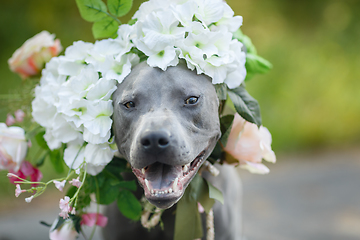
90	219
76	182
64	232
13	147
19	115
10	120
18	190
31	57
59	185
249	145
64	207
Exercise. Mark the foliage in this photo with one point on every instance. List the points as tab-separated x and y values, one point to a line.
105	17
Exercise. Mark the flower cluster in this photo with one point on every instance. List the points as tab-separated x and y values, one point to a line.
198	31
73	101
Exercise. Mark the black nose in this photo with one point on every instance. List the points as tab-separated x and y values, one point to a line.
155	141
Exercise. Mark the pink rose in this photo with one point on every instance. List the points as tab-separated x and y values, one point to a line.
26	170
65	231
90	219
249	145
31	57
13	147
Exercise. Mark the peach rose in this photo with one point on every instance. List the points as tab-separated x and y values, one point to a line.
31	57
249	145
13	147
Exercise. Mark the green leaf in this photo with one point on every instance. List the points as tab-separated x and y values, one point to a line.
117	166
216	153
57	161
76	221
250	48
105	28
130	185
119	8
221	91
203	193
39	137
71	191
41	160
108	192
188	223
129	205
59	223
92	10
256	64
245	105
225	126
215	193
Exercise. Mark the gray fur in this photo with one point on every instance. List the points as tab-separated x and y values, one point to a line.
161	131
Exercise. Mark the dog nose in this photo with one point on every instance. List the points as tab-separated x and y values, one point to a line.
154	141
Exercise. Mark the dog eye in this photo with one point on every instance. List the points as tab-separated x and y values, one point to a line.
191	100
130	104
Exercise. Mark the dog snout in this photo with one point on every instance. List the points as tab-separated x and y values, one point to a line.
155	141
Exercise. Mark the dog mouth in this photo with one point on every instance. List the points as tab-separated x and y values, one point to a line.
165	184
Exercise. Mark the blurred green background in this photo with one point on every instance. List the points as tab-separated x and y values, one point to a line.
309	100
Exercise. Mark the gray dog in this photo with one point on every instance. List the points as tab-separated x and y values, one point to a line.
166	125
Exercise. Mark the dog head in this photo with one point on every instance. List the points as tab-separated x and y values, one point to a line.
166	124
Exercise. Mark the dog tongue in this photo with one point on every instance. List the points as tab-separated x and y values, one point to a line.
161	176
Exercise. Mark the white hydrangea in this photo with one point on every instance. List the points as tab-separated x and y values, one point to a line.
73	101
198	31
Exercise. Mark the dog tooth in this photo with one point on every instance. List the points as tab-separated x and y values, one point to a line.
152	191
166	191
185	169
147	184
175	186
170	190
143	171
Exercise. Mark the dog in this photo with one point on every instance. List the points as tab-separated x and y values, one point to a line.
166	124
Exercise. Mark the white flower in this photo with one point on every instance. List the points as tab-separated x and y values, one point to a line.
228	20
210	11
74	155
79	51
97	122
119	67
97	156
124	37
185	12
13	147
29	199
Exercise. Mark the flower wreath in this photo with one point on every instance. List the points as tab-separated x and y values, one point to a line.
72	105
